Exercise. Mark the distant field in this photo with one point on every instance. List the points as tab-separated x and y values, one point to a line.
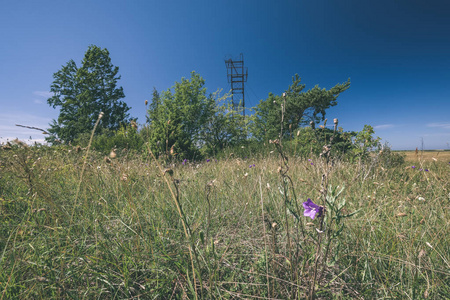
427	156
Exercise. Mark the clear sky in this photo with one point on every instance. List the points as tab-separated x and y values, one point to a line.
396	53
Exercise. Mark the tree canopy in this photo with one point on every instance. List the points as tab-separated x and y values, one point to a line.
81	93
178	115
298	108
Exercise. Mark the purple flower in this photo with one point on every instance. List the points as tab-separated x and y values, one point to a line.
312	164
250	166
420	169
208	160
413	167
253	165
426	170
311	209
309	159
184	161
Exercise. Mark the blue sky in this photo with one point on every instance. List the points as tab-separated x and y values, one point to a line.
396	53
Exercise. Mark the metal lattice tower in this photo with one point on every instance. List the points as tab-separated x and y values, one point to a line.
237	74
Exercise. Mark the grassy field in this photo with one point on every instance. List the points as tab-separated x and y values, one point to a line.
427	156
75	225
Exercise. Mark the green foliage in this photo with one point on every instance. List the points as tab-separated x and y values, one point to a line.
177	117
81	93
127	137
364	142
388	158
307	142
225	127
288	113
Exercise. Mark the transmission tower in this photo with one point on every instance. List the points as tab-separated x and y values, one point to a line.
237	75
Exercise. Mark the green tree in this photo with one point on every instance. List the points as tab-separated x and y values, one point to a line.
295	109
365	142
226	126
177	116
82	93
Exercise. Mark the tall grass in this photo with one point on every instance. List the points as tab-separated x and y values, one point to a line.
246	236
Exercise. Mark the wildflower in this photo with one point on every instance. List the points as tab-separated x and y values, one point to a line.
311	209
420	169
413	167
426	170
184	161
208	160
250	166
312	164
253	165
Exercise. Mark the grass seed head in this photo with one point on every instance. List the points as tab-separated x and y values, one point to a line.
20	143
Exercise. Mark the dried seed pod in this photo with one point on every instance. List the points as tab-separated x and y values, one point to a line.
112	154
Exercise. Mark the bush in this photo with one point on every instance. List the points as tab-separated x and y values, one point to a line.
127	137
